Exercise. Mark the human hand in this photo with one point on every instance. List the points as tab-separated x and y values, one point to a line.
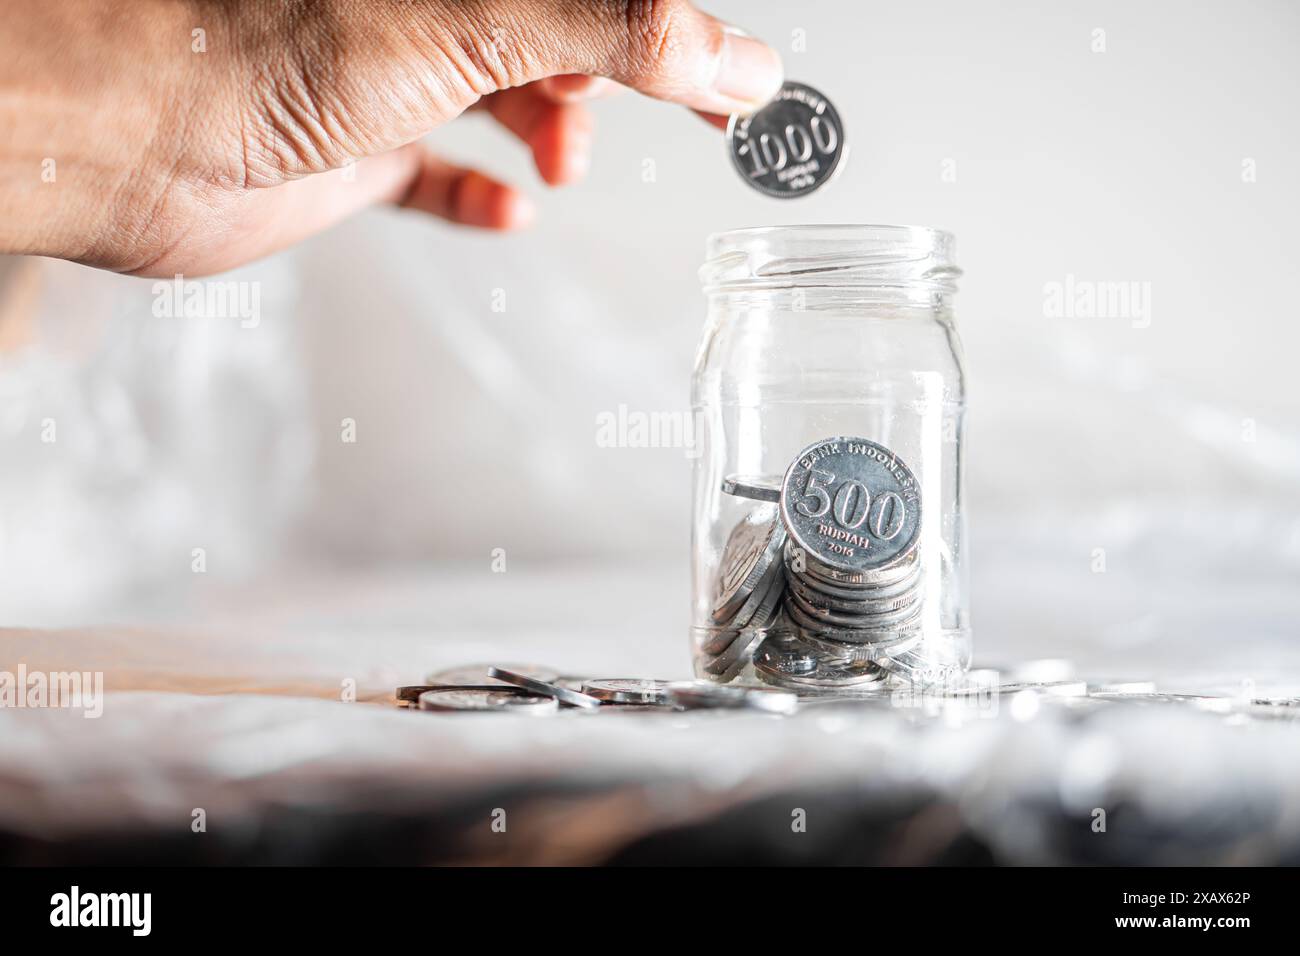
189	136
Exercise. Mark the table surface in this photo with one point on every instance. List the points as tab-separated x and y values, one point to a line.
230	700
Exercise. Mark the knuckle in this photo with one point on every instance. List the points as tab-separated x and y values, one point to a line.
291	128
314	100
656	34
296	122
487	57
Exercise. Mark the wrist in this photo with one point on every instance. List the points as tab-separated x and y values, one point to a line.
84	155
51	194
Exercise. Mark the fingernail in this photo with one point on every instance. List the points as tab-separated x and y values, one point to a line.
750	73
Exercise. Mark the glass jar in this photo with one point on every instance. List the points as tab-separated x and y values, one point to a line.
829	540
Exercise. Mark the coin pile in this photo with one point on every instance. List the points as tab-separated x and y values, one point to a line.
782	657
533	690
820	584
750	585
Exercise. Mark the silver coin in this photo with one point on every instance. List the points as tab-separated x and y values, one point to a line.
718	641
732	672
883	646
906	569
697	695
758	488
750	554
867	620
758	612
412	692
860	592
726	648
890	602
627	690
786	661
563	694
783	655
501	700
478	674
1272	701
834	674
791	146
762	605
851	504
1272	708
726	664
885	629
572	682
662	708
729	667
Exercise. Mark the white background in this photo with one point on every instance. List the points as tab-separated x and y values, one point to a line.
477	429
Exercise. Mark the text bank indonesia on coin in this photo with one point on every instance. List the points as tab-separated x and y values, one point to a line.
789	147
852	505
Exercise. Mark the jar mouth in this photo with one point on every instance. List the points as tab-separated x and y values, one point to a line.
914	258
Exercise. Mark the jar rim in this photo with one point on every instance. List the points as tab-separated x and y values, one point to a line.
834	254
863	229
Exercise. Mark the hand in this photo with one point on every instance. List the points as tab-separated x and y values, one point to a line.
159	137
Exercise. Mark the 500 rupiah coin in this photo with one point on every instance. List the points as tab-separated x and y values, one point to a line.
852	504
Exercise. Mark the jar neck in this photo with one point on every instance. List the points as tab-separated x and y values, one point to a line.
831	268
877	300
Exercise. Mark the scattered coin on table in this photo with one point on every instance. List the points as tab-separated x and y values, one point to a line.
574	698
500	700
795	669
695	695
627	690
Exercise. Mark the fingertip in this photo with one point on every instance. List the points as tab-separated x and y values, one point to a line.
562	143
515	210
489	204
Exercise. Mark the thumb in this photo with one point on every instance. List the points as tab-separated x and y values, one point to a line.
667	49
365	77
